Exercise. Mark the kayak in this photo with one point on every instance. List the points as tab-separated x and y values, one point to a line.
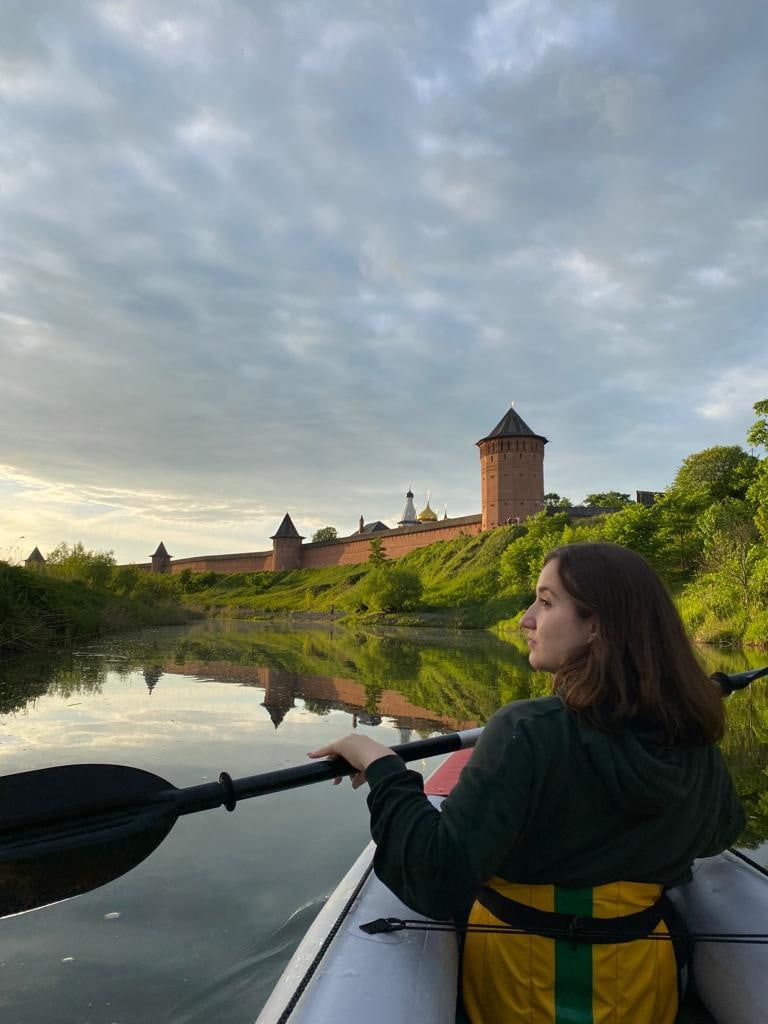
341	973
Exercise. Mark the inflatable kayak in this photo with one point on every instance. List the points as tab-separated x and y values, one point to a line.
341	973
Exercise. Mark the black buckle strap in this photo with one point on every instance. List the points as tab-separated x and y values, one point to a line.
573	927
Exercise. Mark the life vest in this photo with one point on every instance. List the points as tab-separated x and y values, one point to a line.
592	979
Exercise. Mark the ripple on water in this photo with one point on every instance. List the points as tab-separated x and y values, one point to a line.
240	990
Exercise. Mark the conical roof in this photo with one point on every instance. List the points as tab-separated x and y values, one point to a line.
161	552
511	425
35	556
286	529
408	517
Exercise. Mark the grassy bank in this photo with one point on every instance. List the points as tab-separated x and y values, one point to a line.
39	611
460	587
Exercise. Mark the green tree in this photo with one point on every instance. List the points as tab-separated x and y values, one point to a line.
677	518
554	501
757	437
730	549
724	471
76	563
325	533
376	554
388	588
521	562
607	499
637	527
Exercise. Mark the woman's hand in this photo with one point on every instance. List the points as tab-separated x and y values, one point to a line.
359	751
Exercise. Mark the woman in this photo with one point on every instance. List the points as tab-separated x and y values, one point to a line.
586	803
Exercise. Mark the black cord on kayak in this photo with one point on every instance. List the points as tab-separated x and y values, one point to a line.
383	925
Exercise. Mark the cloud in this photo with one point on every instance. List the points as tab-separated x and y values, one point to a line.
295	258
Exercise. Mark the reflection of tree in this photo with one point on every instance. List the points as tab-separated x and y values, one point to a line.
462	677
746	750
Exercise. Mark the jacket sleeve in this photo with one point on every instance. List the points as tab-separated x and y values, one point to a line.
434	860
729	819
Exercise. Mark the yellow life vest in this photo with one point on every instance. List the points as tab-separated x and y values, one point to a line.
508	977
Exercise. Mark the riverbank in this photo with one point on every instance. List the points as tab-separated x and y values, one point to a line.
38	611
483	582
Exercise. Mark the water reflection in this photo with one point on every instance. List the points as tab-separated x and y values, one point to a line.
422	681
208	941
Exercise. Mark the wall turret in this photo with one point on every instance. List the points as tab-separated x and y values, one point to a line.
161	560
286	546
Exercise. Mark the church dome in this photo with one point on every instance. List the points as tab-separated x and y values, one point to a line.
427	515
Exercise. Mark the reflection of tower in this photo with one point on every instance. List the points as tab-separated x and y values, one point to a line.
151	676
511	471
368	718
409	512
279	689
405	735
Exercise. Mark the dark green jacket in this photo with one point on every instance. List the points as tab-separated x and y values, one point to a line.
548	799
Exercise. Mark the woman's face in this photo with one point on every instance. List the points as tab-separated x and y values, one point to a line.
554	629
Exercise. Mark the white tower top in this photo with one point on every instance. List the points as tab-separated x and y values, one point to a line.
409	512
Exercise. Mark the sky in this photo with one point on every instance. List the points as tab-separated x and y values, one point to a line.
276	256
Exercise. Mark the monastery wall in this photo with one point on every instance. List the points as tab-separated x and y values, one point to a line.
249	561
345	551
396	543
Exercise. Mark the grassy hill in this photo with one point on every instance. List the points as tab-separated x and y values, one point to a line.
459	578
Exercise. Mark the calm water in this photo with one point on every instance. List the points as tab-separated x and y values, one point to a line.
201	929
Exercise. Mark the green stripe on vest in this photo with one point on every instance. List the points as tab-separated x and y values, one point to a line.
573	963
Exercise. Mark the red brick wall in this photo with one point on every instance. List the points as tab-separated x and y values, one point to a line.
253	561
346	551
356	549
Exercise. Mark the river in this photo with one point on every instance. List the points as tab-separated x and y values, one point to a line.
200	930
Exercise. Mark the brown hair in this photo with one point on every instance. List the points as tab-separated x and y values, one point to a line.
640	666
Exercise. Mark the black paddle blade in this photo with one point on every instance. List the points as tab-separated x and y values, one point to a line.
27	883
63	831
738	680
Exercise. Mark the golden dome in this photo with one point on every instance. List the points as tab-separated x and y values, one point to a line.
427	515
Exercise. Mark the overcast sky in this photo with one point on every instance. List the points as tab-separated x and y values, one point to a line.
259	257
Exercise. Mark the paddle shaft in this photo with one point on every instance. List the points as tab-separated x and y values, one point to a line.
229	791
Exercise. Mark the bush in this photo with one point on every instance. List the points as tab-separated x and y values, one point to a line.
756	632
388	588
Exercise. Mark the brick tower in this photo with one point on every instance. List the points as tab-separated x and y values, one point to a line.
512	472
286	546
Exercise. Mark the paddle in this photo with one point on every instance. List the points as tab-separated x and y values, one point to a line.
67	830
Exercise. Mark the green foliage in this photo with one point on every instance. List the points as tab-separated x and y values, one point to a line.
390	588
377	555
325	533
521	562
757	436
758	498
724	471
75	563
637	527
678	532
607	499
554	501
